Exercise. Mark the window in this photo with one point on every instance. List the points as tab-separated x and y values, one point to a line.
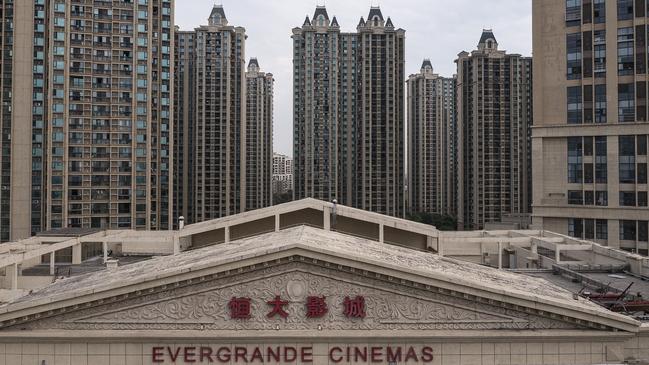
642	198
599	11
600	103
576	227
573	47
642	145
627	230
601	164
627	159
573	12
643	231
589	197
601	229
601	198
624	9
627	198
625	56
642	173
589	229
575	158
575	197
574	105
588	173
626	103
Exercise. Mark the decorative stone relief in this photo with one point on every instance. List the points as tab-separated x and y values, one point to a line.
389	306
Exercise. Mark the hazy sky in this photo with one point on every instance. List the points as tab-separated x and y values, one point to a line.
435	29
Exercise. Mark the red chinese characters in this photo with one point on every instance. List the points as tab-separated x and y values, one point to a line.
278	307
239	308
316	307
354	308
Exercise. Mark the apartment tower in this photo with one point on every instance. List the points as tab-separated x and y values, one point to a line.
349	112
220	131
259	137
185	123
494	112
88	107
591	126
432	143
282	174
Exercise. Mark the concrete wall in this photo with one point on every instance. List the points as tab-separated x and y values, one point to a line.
356	227
311	217
253	228
212	237
470	352
404	238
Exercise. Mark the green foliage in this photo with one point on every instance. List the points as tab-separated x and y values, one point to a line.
443	222
283	198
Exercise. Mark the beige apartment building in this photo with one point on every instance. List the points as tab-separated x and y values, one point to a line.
432	142
224	117
590	133
259	137
282	178
349	114
220	118
185	123
494	113
86	115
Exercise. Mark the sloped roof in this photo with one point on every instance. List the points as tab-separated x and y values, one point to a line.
320	244
375	11
426	63
486	35
320	10
253	62
218	10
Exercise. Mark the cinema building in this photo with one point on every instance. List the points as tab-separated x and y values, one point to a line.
310	282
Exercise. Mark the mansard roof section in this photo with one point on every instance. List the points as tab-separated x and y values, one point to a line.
253	65
375	14
337	249
389	24
361	23
426	64
334	22
320	11
217	17
307	22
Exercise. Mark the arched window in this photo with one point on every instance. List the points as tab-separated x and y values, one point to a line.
321	21
490	44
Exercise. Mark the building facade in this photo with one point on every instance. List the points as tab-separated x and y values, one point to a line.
93	147
591	129
185	123
494	112
349	121
259	137
432	143
282	174
220	132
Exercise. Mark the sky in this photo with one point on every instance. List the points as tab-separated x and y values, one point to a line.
435	29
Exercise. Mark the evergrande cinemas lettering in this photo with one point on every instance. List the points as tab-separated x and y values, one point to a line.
288	354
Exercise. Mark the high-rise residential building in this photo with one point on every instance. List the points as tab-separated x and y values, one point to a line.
220	131
349	112
591	126
282	174
224	119
494	113
185	123
259	137
89	117
432	143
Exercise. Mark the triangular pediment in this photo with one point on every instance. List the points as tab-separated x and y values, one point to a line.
387	305
402	289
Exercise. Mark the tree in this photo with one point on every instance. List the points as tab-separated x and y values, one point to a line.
283	197
443	222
